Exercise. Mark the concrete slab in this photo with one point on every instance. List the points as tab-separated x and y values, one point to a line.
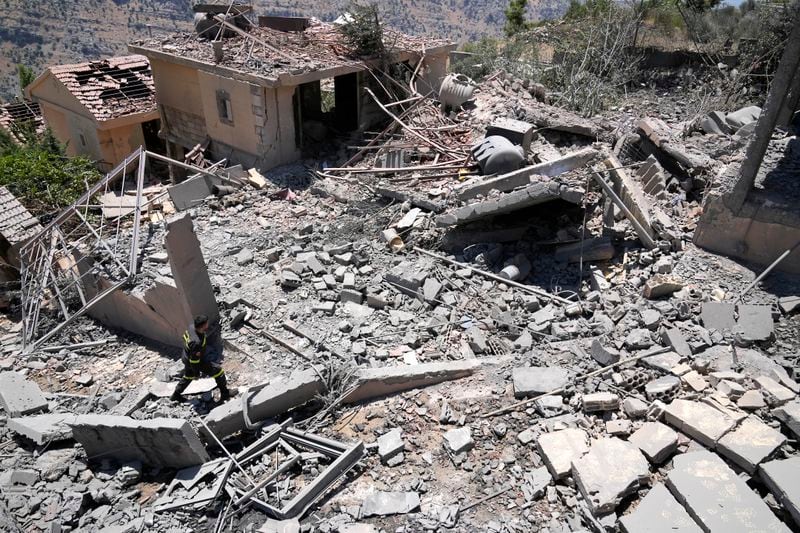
381	503
718	315
789	414
159	442
378	382
280	396
560	448
534	380
698	420
659	512
750	444
200	386
20	396
657	441
611	470
718	499
42	429
675	339
755	323
774	393
782	477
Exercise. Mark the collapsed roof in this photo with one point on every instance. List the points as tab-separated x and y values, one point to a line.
17	114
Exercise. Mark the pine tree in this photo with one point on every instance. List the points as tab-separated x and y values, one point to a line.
515	17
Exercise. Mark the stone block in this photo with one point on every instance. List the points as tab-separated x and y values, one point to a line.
751	400
718	499
159	442
391	444
775	393
42	429
610	471
634	407
560	448
20	396
459	440
750	444
350	295
789	414
659	512
657	441
698	420
782	477
662	388
717	315
535	380
755	323
600	401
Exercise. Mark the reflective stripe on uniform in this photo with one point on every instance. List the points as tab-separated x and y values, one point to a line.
218	374
189	377
194	361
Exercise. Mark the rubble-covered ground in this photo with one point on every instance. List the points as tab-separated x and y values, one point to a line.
717	399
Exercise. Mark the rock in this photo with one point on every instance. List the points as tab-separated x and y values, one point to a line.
476	340
755	324
651	319
775	393
244	257
526	436
657	441
743	116
782	477
659	512
84	380
661	285
697	382
751	400
731	389
603	355
698	420
537	479
53	464
431	289
611	470
549	405
717	316
716	377
618	428
560	448
390	444
459	440
600	401
381	503
750	444
664	362
634	408
532	381
717	498
638	339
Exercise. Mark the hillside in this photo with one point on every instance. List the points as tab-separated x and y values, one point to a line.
43	32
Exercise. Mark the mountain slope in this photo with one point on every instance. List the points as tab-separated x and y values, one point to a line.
45	32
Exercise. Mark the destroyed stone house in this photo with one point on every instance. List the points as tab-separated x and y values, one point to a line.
17	226
102	109
16	116
262	95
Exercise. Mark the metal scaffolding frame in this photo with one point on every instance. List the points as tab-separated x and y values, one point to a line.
83	242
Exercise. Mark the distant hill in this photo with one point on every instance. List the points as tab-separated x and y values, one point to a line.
46	32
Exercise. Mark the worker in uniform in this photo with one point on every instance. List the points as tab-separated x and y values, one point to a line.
199	359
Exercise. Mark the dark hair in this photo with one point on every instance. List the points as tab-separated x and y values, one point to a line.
199	320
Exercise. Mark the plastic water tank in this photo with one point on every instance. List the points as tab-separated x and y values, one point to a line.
455	90
498	155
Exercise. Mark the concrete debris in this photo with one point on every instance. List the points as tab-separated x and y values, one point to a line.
716	497
20	396
661	285
389	503
459	440
789	414
775	393
600	401
656	441
755	323
783	479
159	442
43	429
750	444
531	381
698	420
391	444
611	470
659	512
560	448
718	316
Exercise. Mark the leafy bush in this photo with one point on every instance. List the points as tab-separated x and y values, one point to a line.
363	31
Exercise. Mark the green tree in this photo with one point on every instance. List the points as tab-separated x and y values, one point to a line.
26	77
515	17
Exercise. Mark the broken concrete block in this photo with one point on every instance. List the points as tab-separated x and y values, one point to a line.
611	470
674	339
661	285
279	397
476	339
789	414
350	295
431	289
20	396
697	382
782	478
755	323
698	420
775	393
731	389
659	512
244	257
743	116
634	407
42	429
663	387
407	277
750	444
560	448
535	380
717	315
326	307
536	481
651	318
600	401
379	382
158	442
391	444
657	441
751	400
381	503
716	377
459	440
789	304
718	499
604	355
618	428
638	339
9	478
664	362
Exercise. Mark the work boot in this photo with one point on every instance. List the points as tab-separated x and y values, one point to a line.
177	397
224	393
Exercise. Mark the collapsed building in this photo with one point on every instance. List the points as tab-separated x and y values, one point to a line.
489	314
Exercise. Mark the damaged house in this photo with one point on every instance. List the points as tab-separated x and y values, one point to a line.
102	109
16	116
260	95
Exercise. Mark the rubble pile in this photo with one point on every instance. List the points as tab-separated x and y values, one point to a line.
421	345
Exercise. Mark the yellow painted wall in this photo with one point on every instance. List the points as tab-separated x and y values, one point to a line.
177	86
241	134
118	143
